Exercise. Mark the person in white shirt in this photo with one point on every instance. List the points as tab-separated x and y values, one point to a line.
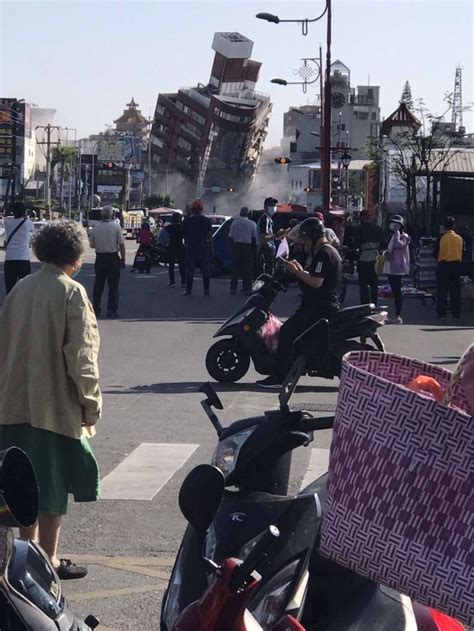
18	231
107	240
243	237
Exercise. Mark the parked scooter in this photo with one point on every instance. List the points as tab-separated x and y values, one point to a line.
255	456
31	596
228	360
223	606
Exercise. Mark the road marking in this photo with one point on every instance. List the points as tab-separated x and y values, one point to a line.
318	465
145	471
110	593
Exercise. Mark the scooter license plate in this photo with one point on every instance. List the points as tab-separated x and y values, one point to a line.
140	259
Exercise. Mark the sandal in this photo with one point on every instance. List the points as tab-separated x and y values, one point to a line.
68	570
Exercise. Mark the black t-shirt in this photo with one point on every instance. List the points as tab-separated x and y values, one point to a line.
175	230
326	263
197	232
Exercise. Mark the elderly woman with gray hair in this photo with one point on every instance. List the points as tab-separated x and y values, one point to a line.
49	382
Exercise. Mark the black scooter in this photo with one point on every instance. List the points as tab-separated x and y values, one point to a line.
255	456
31	596
228	360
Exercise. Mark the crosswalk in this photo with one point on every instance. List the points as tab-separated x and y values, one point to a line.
151	466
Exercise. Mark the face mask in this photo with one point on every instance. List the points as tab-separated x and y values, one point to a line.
271	210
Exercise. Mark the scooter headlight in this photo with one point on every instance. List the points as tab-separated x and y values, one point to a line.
257	286
270	603
227	451
379	318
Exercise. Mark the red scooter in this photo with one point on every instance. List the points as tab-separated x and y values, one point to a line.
223	606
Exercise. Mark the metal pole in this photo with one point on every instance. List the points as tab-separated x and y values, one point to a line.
326	164
79	181
48	167
92	177
149	158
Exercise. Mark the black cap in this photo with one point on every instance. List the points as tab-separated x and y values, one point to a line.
312	228
270	201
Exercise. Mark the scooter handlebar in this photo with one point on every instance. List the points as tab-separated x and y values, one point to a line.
254	558
315	424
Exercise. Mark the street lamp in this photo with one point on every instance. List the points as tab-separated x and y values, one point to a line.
326	101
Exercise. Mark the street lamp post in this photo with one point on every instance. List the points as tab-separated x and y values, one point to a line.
326	97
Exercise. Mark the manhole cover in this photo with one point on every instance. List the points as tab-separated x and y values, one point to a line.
314	407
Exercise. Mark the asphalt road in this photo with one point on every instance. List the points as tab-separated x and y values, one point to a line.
152	361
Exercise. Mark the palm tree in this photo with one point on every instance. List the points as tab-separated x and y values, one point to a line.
65	156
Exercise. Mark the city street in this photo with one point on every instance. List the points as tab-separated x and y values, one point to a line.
153	430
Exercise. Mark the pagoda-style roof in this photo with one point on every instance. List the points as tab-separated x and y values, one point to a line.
132	115
401	117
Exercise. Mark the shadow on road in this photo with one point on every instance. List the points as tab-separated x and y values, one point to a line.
186	387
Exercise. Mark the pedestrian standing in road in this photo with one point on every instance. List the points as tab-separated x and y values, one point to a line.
49	382
198	238
107	240
397	264
243	237
18	231
176	249
267	237
449	253
368	239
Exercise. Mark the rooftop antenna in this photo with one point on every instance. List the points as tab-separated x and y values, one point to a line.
457	99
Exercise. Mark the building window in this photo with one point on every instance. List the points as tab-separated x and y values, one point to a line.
374	116
184	143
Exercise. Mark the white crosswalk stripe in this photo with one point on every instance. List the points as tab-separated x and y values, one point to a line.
318	465
145	471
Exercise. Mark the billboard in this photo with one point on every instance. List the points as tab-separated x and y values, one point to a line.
110	150
126	150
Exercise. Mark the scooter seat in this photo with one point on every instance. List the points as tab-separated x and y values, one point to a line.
352	312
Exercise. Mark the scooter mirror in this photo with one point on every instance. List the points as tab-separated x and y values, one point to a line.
212	398
200	496
18	489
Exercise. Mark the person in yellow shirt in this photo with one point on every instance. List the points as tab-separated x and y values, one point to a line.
448	252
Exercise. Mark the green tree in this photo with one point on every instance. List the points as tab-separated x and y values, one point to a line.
65	157
155	201
407	97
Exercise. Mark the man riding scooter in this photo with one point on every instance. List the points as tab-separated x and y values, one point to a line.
319	282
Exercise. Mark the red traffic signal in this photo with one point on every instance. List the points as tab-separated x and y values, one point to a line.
231	189
109	165
308	189
282	160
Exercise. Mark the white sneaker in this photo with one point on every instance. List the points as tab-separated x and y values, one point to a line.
397	320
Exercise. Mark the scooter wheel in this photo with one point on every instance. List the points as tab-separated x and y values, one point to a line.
226	361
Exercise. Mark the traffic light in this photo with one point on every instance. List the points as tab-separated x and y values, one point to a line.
109	165
308	189
282	160
231	189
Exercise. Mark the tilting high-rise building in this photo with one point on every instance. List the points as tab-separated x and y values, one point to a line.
211	136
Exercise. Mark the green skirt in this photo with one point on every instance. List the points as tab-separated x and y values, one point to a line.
62	465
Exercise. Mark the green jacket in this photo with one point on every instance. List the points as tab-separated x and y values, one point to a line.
49	346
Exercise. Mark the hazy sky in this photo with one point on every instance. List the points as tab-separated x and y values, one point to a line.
86	59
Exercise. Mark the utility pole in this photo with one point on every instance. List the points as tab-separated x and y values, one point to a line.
327	106
48	129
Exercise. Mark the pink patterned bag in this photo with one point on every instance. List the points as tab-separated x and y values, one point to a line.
400	489
270	332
